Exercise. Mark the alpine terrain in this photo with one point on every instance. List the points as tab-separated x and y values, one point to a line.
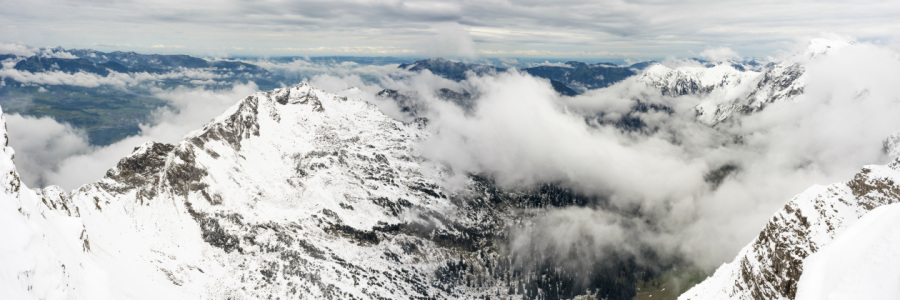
830	242
291	193
297	193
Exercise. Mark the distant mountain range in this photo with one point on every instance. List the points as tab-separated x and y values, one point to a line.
109	112
568	79
86	88
108	95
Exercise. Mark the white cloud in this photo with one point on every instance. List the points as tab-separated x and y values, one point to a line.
576	238
161	46
452	40
16	49
521	133
719	54
51	153
56	53
42	144
114	79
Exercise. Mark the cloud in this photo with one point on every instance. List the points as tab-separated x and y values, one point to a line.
579	237
719	54
82	79
56	53
161	46
115	79
551	53
645	28
452	40
42	144
16	49
51	153
349	49
521	133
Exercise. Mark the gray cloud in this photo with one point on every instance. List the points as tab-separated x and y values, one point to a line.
635	28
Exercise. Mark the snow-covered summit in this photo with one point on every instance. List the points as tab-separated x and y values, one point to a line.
726	89
291	193
820	46
693	79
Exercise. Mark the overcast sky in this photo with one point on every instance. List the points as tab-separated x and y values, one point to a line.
506	28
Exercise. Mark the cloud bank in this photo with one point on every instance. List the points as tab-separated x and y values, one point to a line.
51	153
521	133
638	29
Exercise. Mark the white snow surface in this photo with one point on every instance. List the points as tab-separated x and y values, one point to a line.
861	263
770	267
276	198
42	241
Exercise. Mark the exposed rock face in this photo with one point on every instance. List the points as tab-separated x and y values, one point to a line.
891	145
263	188
780	82
770	267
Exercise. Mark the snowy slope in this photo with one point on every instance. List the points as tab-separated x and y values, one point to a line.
41	256
861	262
771	266
720	85
700	79
725	91
292	193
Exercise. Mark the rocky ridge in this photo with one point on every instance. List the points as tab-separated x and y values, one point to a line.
278	197
770	267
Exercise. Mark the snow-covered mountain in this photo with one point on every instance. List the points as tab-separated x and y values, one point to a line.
278	197
299	193
775	262
860	263
729	88
291	193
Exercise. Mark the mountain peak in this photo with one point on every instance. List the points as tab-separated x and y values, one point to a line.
293	180
822	46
